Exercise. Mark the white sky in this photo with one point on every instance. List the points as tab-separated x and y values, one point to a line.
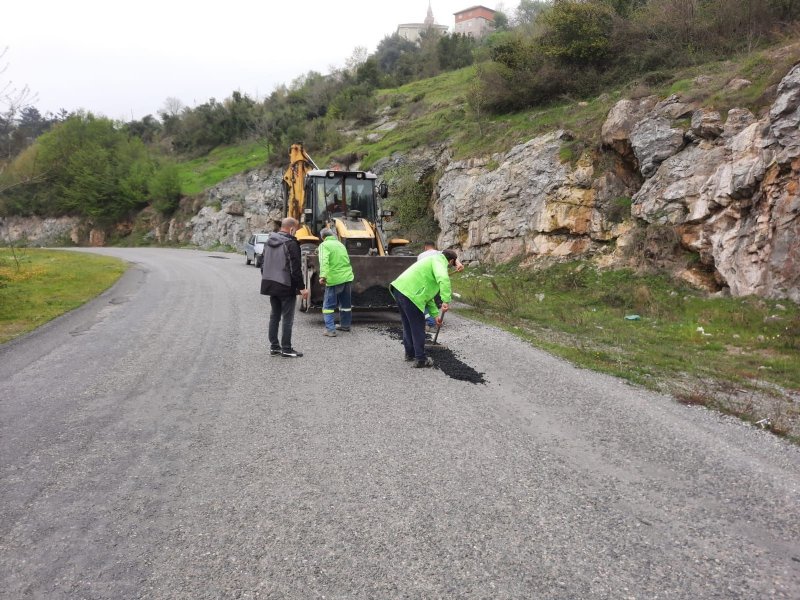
123	60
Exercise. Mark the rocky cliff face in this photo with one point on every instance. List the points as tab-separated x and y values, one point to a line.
35	231
731	192
728	189
528	203
237	207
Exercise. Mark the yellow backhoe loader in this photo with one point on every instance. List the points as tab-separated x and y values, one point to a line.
347	202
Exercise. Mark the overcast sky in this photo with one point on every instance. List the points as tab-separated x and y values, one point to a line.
123	60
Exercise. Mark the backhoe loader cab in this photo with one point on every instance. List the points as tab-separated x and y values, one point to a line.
346	196
347	202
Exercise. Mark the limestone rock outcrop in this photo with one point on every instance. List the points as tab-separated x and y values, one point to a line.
36	231
237	207
732	194
654	140
531	204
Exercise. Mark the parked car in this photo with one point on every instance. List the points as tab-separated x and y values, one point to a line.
254	248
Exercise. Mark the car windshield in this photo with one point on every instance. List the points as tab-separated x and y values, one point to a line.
262	238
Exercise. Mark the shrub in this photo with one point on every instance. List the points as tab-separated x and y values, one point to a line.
619	209
578	32
165	189
410	199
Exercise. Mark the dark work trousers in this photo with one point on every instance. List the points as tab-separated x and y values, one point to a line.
282	311
413	326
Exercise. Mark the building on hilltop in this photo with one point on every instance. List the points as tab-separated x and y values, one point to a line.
476	21
411	31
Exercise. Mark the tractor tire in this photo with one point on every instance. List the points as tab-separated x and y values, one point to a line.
400	251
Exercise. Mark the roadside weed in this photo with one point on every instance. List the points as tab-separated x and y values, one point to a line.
652	331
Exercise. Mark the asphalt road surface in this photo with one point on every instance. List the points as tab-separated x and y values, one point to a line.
150	448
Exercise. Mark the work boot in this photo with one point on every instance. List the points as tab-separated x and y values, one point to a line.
291	353
329	333
421	364
409	358
340	328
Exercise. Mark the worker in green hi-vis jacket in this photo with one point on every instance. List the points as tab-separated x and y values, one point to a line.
336	274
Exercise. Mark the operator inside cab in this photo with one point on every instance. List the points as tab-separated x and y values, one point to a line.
335	206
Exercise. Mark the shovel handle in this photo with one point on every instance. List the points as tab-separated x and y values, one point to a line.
438	327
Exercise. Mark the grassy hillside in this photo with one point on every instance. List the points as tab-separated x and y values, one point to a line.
445	109
198	174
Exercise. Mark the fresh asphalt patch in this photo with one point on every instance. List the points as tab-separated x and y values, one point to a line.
444	358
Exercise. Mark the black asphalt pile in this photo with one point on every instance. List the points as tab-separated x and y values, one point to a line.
376	296
443	357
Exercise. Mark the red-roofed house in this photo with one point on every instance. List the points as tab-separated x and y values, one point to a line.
475	21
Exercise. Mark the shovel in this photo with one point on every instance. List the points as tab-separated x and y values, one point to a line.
438	329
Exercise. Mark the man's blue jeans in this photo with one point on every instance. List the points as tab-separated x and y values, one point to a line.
341	296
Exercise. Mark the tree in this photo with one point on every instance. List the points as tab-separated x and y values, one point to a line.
357	58
500	21
13	101
625	8
368	73
172	107
165	188
578	32
455	51
146	130
396	58
355	102
239	118
427	62
477	99
528	11
92	168
170	115
212	123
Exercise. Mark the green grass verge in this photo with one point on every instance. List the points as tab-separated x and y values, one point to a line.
674	339
201	173
39	285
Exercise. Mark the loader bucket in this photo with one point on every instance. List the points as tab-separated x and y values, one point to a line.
372	276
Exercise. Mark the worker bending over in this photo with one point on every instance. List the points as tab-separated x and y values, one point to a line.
428	250
414	290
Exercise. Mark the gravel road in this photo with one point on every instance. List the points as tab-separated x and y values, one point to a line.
150	448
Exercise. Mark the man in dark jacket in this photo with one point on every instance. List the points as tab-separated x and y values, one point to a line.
282	280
